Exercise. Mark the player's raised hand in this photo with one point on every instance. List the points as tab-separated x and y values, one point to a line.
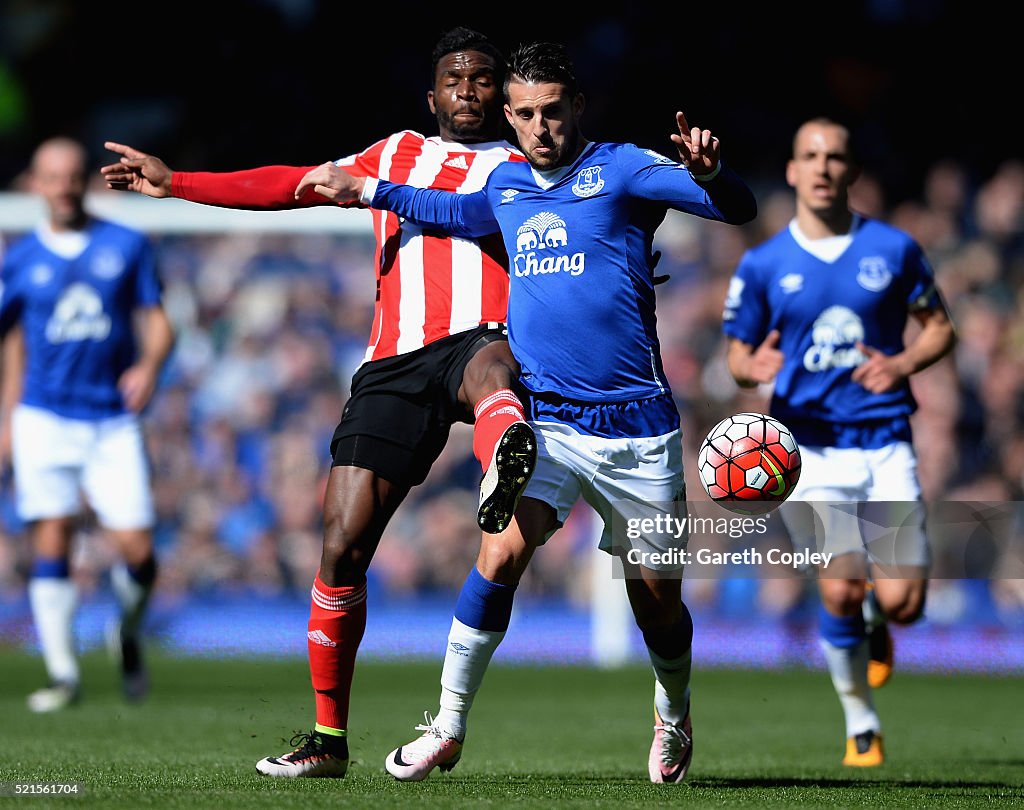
332	182
880	372
137	171
766	359
699	150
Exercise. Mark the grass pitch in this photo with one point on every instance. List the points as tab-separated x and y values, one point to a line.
538	737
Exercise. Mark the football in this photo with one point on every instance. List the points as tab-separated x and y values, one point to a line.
749	463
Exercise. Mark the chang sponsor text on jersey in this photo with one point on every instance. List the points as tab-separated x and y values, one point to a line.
540	248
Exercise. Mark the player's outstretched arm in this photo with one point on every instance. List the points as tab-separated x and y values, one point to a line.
331	181
265	188
465	215
137	171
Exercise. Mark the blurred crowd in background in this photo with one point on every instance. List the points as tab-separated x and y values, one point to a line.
272	326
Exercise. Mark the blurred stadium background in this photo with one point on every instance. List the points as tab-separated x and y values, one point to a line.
273	309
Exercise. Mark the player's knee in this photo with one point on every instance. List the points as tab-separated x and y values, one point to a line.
842	597
491	369
654	612
499	563
347	550
906	611
135	546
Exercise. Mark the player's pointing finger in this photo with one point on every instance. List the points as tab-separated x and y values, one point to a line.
124	150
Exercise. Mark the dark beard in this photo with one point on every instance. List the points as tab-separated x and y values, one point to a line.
465	133
567	154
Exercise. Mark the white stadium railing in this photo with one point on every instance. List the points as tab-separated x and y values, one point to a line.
20	212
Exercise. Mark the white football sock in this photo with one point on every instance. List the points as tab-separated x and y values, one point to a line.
466	659
849	670
671	686
53	602
132	596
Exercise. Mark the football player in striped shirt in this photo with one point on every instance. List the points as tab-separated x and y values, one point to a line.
578	220
438	354
819	311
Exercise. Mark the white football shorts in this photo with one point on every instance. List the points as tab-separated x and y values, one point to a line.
865	501
58	460
625	480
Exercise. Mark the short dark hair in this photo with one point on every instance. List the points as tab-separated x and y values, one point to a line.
542	62
829	121
461	38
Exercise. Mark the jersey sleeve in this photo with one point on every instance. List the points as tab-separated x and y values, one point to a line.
922	293
366	163
464	215
11	301
652	176
267	188
148	285
745	315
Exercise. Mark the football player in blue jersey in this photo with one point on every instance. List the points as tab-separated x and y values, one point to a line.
578	221
820	310
73	291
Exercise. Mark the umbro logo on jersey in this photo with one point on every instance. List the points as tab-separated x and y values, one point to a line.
457	162
321	638
508	195
791	282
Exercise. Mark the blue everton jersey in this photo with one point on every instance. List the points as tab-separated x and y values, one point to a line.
581	313
75	302
824	307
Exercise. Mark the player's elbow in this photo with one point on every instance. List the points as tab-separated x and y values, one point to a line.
948	340
738	213
745	212
952	339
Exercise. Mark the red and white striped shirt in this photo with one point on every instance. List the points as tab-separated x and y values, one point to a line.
429	285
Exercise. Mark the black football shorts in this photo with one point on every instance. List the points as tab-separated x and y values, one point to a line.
400	409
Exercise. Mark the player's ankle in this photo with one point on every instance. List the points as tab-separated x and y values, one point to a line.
452	723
